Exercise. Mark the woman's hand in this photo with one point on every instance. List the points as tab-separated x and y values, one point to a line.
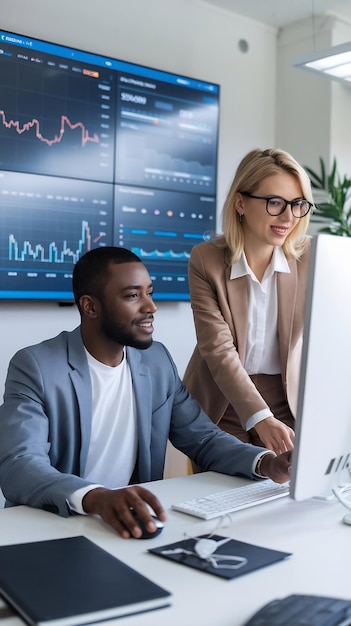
275	435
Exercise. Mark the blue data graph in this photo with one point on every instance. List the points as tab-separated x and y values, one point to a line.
161	227
167	255
39	246
55	253
97	151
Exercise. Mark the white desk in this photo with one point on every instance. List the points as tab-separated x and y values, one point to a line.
311	530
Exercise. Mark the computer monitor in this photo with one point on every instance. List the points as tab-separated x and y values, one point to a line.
322	453
97	151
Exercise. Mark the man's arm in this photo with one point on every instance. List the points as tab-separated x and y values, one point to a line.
39	442
193	433
114	506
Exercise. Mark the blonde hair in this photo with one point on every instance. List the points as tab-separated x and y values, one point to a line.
253	169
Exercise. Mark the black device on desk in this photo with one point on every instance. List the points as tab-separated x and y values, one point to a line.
145	533
304	610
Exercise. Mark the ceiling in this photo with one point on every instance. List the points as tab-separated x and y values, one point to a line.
279	13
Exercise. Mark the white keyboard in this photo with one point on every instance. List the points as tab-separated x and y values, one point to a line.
231	500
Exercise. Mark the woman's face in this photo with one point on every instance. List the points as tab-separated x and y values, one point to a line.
261	229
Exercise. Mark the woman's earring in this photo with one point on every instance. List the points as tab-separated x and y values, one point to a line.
241	217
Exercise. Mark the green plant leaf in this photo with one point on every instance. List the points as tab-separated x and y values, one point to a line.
338	210
317	181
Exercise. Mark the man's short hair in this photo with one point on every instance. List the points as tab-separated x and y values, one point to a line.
91	272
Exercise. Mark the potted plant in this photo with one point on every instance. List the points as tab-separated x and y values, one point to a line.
335	207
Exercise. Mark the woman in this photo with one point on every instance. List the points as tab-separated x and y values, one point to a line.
247	290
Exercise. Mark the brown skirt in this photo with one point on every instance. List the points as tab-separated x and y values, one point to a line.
271	389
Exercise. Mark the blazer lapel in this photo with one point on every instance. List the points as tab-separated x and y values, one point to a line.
238	308
286	291
142	386
80	378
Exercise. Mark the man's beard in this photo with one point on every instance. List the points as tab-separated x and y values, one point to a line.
114	331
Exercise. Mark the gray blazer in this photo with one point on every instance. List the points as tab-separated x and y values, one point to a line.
45	423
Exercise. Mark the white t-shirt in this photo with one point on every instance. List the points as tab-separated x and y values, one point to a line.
114	435
113	442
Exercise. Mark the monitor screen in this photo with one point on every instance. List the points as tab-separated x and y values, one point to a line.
322	453
96	151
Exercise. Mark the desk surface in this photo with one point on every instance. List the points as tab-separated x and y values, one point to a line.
312	531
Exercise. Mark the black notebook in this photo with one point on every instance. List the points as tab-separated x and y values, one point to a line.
64	582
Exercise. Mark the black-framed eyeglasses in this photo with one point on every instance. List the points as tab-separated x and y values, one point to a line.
276	205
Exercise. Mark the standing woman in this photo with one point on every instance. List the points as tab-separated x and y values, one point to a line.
247	290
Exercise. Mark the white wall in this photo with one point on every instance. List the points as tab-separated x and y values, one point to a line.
264	102
183	36
312	111
303	99
340	128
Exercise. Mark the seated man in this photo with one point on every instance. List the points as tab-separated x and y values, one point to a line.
87	414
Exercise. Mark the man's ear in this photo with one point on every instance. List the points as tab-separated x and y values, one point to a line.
88	306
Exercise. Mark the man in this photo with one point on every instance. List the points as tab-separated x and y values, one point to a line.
87	414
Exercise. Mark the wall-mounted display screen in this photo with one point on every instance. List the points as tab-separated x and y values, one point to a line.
96	151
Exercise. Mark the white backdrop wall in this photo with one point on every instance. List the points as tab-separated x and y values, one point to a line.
312	111
183	36
264	102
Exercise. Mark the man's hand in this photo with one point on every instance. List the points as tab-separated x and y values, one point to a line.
276	467
113	506
275	435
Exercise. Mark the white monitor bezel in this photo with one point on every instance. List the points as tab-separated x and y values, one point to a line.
322	453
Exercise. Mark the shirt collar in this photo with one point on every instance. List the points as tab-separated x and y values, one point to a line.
278	263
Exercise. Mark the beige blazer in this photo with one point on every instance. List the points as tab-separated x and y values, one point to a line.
215	374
